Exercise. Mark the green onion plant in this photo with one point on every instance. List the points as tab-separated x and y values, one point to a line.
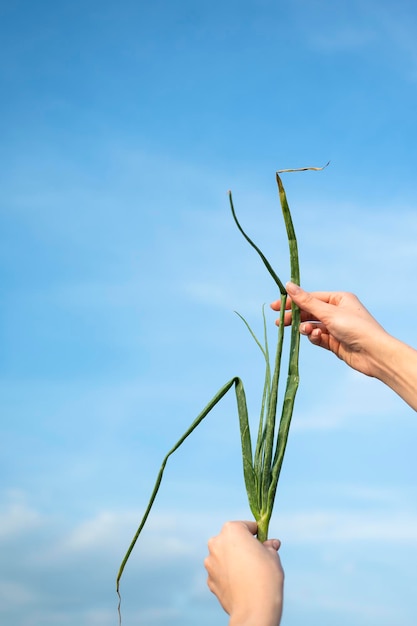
262	461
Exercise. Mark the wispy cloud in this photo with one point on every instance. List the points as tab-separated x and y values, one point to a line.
344	39
17	517
366	28
350	526
349	399
89	551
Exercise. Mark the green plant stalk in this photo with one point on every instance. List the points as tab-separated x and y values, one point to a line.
258	459
261	471
267	505
266	478
293	377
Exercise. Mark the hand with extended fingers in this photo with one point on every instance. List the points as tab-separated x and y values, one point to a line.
339	322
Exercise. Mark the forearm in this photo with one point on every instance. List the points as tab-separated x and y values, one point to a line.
396	366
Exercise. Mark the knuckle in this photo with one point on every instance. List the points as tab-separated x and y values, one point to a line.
211	543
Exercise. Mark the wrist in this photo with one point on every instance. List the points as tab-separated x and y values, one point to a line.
262	616
396	366
389	359
380	354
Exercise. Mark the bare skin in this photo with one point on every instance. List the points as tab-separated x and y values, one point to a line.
338	321
246	575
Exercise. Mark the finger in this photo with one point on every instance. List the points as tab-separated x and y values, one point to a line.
287	319
306	328
319	338
273	544
316	305
327	297
251	526
276	305
317	334
305	314
305	317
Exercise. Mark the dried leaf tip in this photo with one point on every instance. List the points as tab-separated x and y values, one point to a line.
304	169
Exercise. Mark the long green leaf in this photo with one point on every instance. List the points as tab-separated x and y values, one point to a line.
249	240
246	452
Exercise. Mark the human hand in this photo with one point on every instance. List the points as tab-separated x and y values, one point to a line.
246	575
339	322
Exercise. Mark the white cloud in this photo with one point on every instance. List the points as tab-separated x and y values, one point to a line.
319	594
80	559
15	593
374	27
310	527
389	497
167	536
17	517
345	402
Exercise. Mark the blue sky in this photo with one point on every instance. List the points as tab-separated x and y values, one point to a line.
123	125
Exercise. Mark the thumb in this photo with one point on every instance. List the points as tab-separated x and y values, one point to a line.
272	544
308	302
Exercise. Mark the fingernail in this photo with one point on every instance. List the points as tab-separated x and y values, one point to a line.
292	288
